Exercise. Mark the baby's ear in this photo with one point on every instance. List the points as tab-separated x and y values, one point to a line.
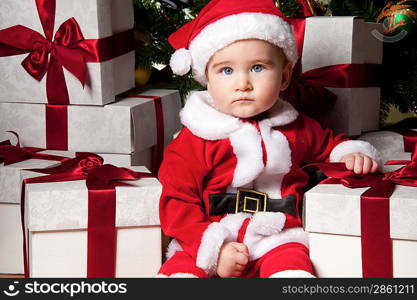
286	75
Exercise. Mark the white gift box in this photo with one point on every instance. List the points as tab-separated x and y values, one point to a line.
56	216
11	178
332	218
11	238
126	126
345	40
388	143
97	20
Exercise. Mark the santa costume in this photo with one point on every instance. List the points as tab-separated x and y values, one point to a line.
229	179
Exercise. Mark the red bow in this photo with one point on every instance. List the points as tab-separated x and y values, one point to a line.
67	48
375	219
101	181
10	154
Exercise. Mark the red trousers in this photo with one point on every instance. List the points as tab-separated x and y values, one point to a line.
290	256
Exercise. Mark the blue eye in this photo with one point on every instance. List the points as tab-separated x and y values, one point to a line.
257	68
227	71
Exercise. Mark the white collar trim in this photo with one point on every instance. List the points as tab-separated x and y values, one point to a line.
204	121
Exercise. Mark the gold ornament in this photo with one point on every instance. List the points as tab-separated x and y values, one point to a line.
398	16
142	76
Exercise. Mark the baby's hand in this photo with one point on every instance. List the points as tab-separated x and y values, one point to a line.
233	258
360	163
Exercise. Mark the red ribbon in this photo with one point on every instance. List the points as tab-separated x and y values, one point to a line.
67	48
10	154
307	90
56	126
101	181
158	149
375	217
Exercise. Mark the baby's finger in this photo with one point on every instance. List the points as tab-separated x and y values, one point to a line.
374	167
349	162
367	165
239	267
242	248
358	164
242	259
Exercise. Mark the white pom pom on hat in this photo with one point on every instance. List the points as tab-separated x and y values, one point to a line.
180	62
222	22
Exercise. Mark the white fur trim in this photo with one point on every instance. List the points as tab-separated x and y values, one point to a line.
233	222
161	276
182	275
278	160
205	121
282	113
180	61
267	223
259	244
247	146
355	146
229	29
292	274
213	238
173	247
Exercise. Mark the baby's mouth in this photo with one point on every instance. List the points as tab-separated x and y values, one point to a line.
243	99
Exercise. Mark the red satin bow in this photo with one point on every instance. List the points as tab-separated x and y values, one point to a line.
47	55
10	154
375	219
68	48
100	181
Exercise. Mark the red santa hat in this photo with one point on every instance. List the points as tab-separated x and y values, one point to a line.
222	22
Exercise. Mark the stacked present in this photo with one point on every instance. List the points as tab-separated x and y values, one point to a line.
336	78
365	226
65	65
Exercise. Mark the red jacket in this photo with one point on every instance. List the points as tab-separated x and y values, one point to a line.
217	153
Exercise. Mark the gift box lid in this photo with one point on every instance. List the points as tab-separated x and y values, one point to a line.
126	126
340	40
64	205
388	143
335	209
12	176
171	106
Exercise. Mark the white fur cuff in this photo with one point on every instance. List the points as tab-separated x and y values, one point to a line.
355	146
208	253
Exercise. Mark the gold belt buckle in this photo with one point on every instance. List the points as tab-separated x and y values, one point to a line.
247	196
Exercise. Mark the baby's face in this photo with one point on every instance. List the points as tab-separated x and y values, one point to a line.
246	77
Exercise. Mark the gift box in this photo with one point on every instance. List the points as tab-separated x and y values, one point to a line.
58	217
334	217
390	143
11	178
92	39
338	43
132	124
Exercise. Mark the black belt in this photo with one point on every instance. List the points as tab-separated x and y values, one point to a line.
250	201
